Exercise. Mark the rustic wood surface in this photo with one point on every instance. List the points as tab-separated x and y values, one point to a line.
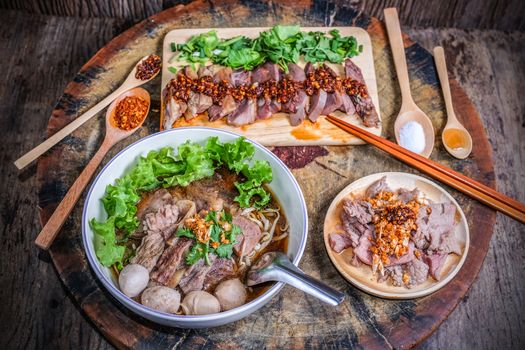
290	320
465	14
52	49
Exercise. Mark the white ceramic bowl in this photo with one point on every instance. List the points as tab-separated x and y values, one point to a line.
283	185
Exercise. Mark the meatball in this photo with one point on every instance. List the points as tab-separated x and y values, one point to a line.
161	298
133	279
231	294
200	303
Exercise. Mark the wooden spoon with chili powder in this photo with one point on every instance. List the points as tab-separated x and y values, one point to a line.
124	116
145	70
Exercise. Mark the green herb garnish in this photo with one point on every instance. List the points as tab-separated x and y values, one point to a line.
280	45
166	168
221	241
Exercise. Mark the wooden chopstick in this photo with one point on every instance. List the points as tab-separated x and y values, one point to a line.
460	182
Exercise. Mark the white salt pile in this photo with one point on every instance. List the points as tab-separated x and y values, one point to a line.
412	137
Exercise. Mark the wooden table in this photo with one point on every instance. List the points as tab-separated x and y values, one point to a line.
38	313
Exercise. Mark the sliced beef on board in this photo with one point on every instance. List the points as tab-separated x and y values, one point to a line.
171	260
174	110
300	101
198	103
266	107
240	77
245	113
228	104
347	106
317	100
363	106
246	110
334	100
251	235
300	105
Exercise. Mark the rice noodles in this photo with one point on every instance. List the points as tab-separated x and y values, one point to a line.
267	220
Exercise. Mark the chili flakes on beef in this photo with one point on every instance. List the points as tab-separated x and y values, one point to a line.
394	221
283	90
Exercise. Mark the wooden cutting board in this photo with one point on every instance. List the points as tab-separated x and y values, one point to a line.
276	130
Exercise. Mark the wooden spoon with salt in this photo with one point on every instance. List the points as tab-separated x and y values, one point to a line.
131	82
113	135
409	111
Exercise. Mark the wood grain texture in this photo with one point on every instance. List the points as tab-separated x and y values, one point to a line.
490	67
39	313
276	130
361	321
465	14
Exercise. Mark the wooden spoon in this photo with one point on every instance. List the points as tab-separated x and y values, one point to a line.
455	137
113	135
130	83
409	110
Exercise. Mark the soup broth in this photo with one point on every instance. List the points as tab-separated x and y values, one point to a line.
209	194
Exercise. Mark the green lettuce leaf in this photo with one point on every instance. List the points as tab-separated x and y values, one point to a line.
106	249
165	168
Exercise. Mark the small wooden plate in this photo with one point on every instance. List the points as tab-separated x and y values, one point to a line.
362	276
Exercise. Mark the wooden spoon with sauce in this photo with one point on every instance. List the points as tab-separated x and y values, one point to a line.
139	75
455	137
113	135
409	111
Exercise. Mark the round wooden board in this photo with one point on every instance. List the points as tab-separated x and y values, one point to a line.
291	319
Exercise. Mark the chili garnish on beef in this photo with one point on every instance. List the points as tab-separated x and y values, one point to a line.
394	221
282	90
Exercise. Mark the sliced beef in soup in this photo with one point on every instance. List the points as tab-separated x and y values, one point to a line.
171	261
195	275
251	235
149	251
164	221
151	204
221	269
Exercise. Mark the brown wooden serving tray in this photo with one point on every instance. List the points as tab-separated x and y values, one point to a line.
291	320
